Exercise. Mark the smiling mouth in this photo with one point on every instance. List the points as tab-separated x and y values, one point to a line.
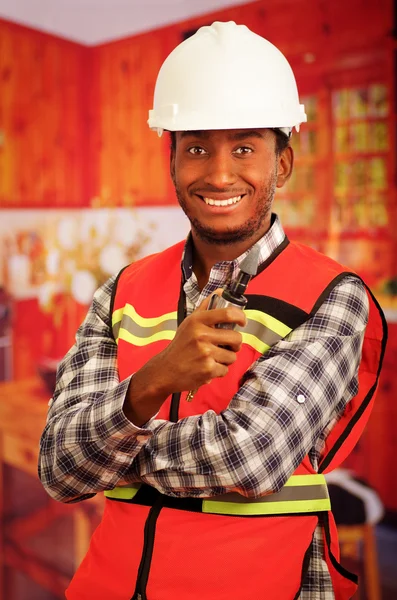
225	202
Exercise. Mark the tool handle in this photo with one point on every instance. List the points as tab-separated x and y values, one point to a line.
222	302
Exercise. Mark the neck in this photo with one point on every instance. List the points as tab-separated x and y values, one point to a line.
206	255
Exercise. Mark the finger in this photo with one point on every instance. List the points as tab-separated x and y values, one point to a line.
207	300
225	337
224	356
231	314
220	370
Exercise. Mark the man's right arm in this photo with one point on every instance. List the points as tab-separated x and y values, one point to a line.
88	443
96	424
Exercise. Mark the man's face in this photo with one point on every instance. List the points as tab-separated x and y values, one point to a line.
225	181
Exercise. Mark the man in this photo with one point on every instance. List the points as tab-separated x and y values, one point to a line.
222	497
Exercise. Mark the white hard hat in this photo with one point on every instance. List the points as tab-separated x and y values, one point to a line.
225	77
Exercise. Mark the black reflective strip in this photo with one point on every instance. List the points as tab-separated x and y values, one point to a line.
324	295
176	396
274	255
187	264
112	299
132	327
324	521
147	496
290	315
305	565
263	333
359	413
147	552
288	493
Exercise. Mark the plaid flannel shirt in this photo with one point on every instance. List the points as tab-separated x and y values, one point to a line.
253	446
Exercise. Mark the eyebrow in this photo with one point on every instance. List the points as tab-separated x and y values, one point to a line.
237	136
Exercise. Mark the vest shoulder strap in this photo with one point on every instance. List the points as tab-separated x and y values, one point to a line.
147	269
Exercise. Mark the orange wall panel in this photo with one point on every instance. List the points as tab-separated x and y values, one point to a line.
73	119
43	82
130	164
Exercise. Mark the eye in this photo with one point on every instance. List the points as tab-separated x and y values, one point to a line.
243	150
197	150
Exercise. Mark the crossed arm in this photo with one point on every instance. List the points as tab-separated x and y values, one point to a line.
252	447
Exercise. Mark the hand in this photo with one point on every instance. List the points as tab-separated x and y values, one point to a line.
198	353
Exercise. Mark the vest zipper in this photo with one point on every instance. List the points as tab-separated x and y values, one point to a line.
147	552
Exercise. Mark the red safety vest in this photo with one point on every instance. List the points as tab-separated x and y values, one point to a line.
154	547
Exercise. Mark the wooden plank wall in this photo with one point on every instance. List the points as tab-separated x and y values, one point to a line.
43	125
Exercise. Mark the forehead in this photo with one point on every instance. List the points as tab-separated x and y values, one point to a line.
226	134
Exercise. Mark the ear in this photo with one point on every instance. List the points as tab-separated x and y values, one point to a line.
285	164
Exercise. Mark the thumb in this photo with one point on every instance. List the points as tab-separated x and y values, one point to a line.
207	300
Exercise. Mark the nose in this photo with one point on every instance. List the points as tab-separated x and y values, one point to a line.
221	170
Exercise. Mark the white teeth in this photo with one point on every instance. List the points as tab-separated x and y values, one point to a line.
213	202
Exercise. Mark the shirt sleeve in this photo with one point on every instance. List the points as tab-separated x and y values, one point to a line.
289	400
88	443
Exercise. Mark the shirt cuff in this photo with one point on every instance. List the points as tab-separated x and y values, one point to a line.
123	433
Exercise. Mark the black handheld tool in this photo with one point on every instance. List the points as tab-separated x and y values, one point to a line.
233	293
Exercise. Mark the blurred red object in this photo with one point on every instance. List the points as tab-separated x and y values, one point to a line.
5	335
47	369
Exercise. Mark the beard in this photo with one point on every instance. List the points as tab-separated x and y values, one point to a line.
244	231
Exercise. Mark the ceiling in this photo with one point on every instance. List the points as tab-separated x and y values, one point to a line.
96	21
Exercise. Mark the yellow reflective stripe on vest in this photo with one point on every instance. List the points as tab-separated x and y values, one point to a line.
122	493
300	494
268	322
265	508
128	325
309	479
261	331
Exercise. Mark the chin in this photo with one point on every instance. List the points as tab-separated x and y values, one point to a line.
225	237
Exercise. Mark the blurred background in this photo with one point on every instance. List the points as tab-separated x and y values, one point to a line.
85	189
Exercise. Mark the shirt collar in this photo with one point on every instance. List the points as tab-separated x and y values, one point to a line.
272	239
